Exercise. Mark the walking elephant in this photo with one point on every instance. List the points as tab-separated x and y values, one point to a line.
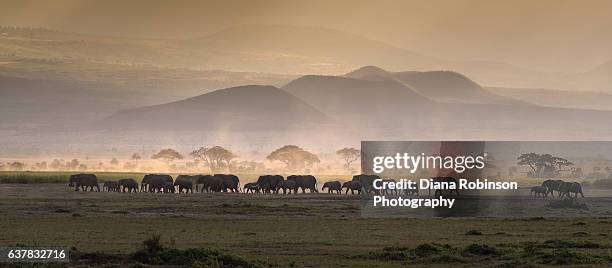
168	187
551	186
231	182
251	187
539	191
110	186
332	186
353	186
305	182
268	183
83	181
211	183
186	182
367	182
287	186
155	182
127	184
567	188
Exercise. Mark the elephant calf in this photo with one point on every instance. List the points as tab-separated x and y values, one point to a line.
539	191
367	181
251	188
353	186
332	186
110	186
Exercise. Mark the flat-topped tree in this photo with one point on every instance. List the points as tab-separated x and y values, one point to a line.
136	157
543	165
167	155
216	158
294	157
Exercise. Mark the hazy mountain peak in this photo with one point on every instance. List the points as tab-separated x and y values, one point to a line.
249	107
449	86
369	73
240	92
344	82
447	79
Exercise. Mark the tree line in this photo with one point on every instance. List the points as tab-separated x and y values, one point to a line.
214	158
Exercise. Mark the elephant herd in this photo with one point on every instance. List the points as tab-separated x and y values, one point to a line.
360	184
163	183
563	189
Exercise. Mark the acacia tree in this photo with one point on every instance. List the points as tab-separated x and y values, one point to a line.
543	164
136	157
215	157
293	157
349	155
167	155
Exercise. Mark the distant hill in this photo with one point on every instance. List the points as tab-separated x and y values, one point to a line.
440	86
371	97
357	100
373	73
244	108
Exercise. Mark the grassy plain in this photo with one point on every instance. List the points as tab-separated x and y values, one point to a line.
306	230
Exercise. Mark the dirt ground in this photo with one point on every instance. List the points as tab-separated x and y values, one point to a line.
305	230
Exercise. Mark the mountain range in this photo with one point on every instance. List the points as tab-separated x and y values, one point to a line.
402	102
247	85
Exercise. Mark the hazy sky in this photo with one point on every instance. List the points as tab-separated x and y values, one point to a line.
553	35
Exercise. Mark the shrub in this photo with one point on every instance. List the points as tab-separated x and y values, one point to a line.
153	243
473	232
480	249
